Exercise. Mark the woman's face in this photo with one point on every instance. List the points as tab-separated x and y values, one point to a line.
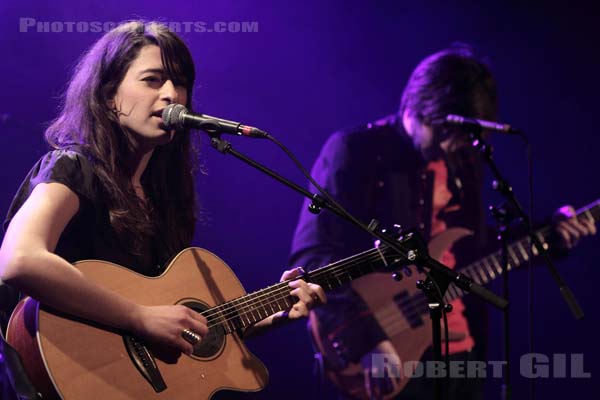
142	95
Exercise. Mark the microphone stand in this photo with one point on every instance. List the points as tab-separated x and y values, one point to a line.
441	276
503	219
501	185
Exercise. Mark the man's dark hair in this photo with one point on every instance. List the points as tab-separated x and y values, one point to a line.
451	81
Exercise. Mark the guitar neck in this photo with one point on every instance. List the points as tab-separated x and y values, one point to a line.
490	267
237	314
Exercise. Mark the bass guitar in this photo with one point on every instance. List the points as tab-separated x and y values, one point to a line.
402	310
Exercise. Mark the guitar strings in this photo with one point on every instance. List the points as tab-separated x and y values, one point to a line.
331	268
275	296
276	293
282	287
279	291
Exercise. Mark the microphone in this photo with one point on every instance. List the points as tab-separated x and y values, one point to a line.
177	116
472	123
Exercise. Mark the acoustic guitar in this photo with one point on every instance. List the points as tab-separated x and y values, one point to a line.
402	310
70	358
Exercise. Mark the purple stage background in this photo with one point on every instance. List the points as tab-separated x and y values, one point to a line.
310	68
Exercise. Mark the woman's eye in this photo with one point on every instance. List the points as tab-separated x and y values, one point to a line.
151	79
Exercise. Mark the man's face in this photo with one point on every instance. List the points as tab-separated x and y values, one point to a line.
429	138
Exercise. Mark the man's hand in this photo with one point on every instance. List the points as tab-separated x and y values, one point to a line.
570	228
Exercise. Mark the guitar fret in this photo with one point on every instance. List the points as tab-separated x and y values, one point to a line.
589	215
251	304
270	305
496	264
232	315
256	307
452	291
480	274
449	295
253	315
260	311
346	277
339	281
244	314
263	309
473	275
517	252
258	304
496	267
489	269
456	291
515	260
234	321
522	250
228	327
253	307
512	258
510	263
526	243
535	251
542	240
484	277
245	317
287	301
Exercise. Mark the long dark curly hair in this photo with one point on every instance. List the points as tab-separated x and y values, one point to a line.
87	121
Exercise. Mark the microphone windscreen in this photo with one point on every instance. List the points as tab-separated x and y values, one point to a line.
172	117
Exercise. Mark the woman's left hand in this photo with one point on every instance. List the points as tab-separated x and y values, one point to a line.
309	295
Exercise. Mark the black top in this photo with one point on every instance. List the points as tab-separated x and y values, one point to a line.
89	234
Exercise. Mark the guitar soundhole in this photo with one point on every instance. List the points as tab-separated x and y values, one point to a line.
213	343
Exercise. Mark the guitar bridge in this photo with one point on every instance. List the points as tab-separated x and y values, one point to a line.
144	362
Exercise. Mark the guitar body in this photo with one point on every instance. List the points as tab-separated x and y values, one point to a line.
73	359
408	329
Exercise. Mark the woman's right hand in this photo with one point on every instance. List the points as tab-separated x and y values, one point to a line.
165	324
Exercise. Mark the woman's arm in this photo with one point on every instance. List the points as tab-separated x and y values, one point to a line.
28	263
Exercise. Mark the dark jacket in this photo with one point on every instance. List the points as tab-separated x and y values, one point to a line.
375	172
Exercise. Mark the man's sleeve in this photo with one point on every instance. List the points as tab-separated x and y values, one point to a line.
346	325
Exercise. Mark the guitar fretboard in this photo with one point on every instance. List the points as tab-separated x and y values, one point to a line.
237	314
490	267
